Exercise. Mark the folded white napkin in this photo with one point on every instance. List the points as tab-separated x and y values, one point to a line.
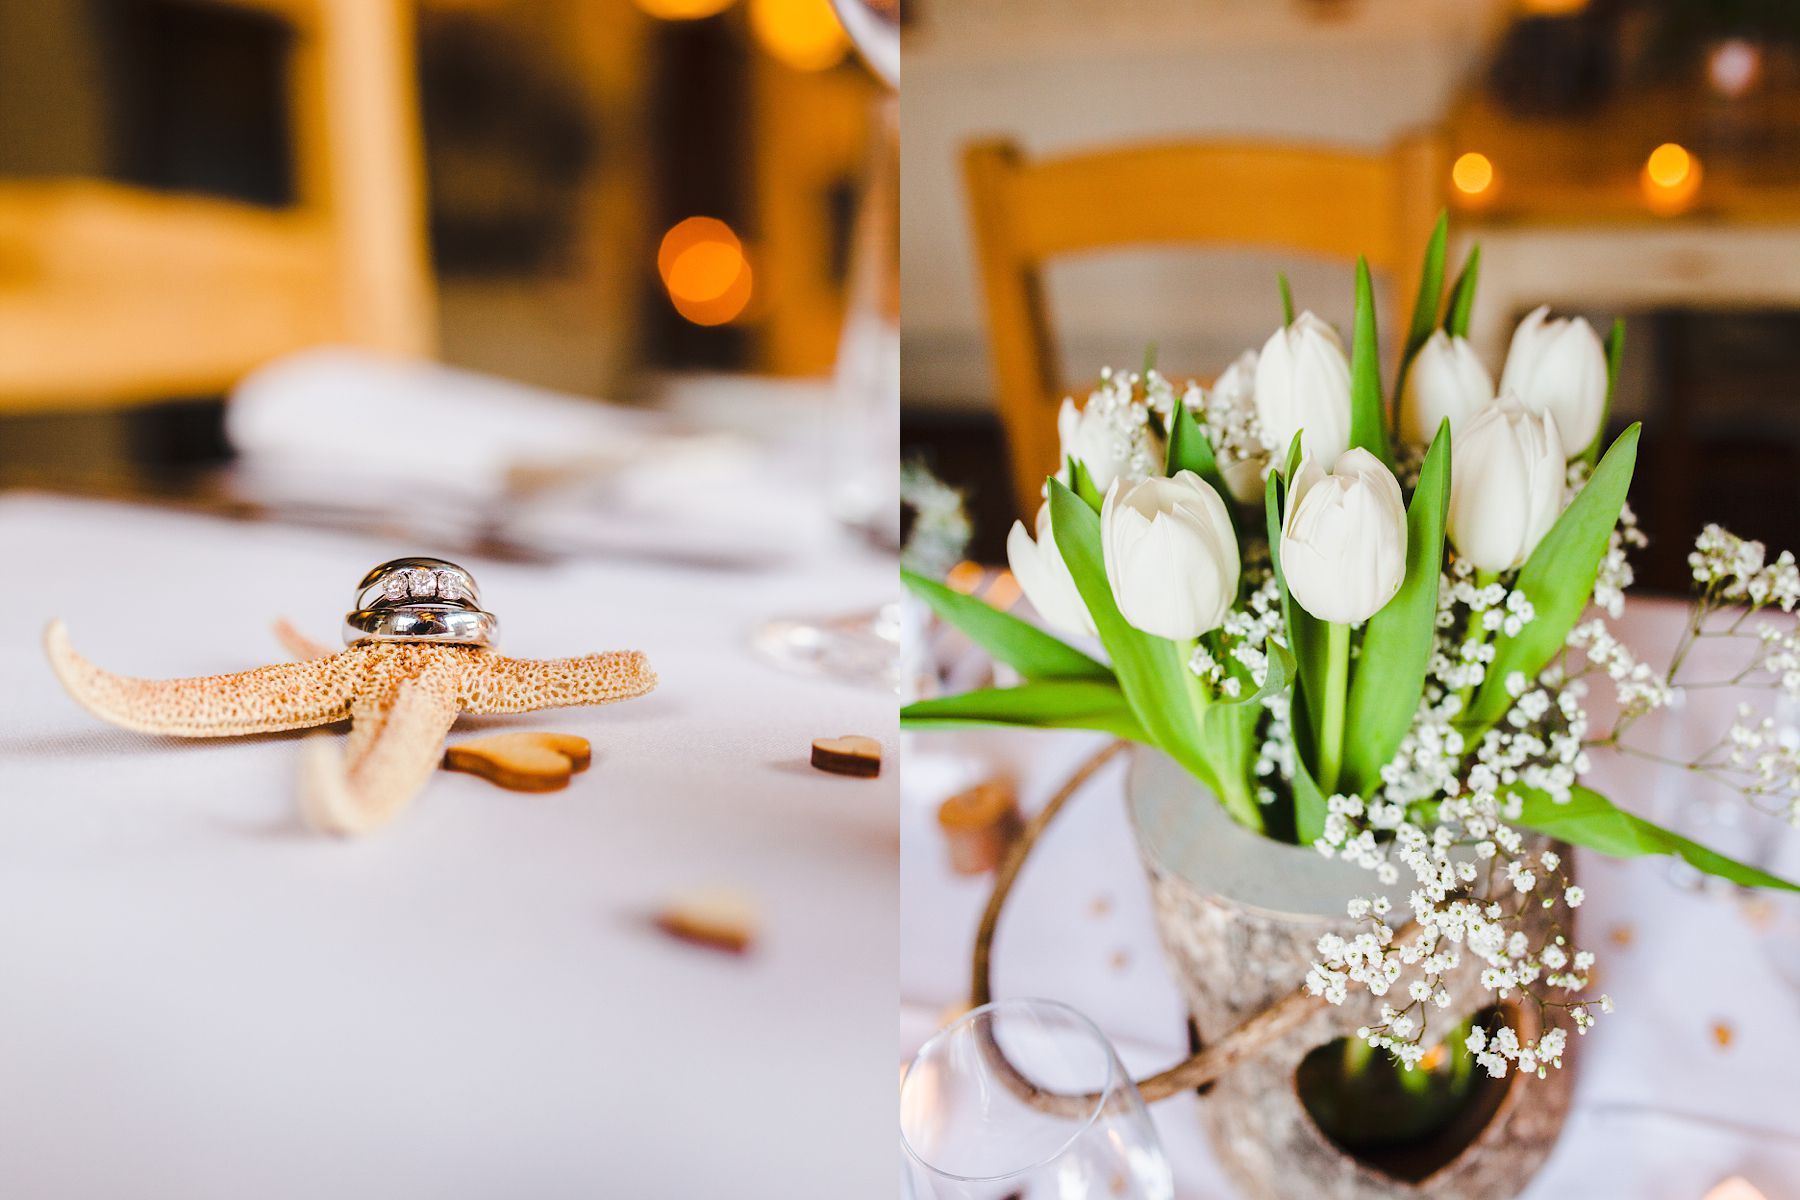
423	448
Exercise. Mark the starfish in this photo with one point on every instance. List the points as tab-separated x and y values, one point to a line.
400	698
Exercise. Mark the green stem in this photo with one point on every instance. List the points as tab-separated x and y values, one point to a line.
1331	716
1229	781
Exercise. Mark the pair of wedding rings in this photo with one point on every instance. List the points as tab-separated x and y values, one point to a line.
419	600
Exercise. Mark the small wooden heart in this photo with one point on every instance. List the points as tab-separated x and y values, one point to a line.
527	761
851	754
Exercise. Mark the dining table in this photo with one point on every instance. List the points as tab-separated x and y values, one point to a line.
202	998
1689	1084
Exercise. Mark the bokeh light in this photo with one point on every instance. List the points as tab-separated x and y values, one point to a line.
1734	66
1552	8
804	34
1670	179
1472	174
705	269
683	10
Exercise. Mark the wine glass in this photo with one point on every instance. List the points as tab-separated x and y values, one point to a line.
1026	1100
864	461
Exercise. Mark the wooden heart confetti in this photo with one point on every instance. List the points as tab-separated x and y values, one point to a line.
527	761
851	754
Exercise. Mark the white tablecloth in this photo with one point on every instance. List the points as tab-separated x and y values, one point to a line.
198	999
1663	1109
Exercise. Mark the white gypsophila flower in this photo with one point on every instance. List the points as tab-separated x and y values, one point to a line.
1474	875
1303	384
1110	435
1045	579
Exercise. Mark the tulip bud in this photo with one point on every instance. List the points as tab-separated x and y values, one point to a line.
1110	436
1045	579
1446	379
1559	367
1343	542
1171	554
1303	386
1507	475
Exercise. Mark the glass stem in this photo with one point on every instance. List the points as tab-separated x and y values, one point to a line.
1331	717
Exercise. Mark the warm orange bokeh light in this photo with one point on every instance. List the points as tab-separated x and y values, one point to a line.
1552	8
804	34
683	10
1472	174
705	269
1668	165
1670	179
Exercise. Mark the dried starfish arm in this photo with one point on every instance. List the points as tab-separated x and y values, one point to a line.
265	700
297	644
398	725
493	685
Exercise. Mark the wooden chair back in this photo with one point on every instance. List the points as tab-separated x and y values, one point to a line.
1327	202
113	295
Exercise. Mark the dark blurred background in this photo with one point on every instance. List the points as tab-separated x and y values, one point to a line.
576	194
1638	158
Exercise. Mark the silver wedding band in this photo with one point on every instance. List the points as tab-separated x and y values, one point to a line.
424	600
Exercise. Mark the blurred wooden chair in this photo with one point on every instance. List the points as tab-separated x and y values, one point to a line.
112	295
1329	202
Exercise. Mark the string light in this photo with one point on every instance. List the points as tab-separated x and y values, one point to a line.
1734	66
1670	179
1472	174
705	269
804	34
683	10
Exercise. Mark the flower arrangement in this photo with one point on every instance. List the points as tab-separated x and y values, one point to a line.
1360	625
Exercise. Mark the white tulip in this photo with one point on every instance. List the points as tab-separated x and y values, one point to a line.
1171	554
1559	367
1507	474
1045	579
1343	543
1446	379
1233	396
1110	436
1303	386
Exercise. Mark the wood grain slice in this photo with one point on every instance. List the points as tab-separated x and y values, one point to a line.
718	918
980	825
851	754
527	761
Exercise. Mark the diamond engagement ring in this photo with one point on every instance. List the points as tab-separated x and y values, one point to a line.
419	600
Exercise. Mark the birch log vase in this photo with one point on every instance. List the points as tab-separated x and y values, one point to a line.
1239	916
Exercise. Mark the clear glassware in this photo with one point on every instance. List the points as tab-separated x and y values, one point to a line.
1026	1099
863	480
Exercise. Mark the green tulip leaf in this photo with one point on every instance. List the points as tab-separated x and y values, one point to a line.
1287	299
1558	579
1019	644
1462	295
1426	303
1046	704
1083	483
1390	673
1309	805
1591	820
1152	671
1368	427
1306	636
1191	450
